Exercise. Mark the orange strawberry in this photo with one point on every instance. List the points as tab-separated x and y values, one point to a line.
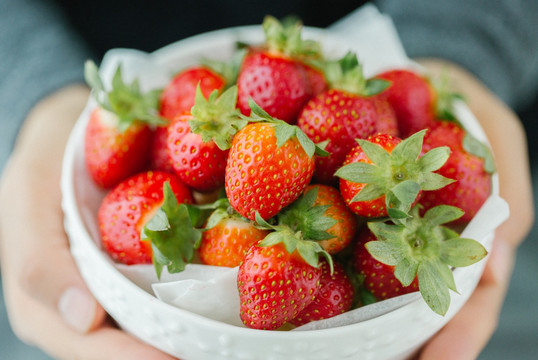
227	238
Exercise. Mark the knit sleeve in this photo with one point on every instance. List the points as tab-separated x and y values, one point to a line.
39	54
496	40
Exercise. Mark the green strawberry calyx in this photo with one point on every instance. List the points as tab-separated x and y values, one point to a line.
173	234
124	100
229	70
285	131
346	74
302	215
423	247
216	118
399	175
293	240
285	37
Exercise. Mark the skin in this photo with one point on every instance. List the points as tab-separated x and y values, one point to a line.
35	291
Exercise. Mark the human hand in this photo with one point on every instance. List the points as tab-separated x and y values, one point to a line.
468	332
48	304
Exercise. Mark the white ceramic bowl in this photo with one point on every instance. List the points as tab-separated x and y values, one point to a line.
394	335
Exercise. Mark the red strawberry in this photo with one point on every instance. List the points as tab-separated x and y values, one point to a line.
395	257
334	297
274	286
269	165
227	242
385	175
128	207
118	137
340	115
159	158
343	230
198	142
275	75
197	163
178	96
387	122
340	118
472	171
413	99
112	155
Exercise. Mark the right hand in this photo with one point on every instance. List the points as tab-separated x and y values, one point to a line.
48	303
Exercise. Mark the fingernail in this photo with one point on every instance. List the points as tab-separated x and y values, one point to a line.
77	308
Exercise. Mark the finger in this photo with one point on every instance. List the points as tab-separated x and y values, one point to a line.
59	340
468	332
35	250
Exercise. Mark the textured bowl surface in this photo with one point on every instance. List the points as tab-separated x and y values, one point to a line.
188	336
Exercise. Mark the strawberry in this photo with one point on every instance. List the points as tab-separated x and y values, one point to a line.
227	238
274	286
279	275
276	75
177	98
384	175
118	136
128	207
321	209
198	141
269	165
179	94
340	115
334	297
412	97
415	251
387	122
159	158
470	164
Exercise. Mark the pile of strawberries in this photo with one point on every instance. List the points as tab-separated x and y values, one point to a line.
327	189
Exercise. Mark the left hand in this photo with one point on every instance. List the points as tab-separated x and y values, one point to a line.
465	336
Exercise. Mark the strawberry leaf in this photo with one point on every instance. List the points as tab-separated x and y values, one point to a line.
423	246
388	252
285	37
462	252
477	148
433	287
172	235
302	215
410	148
406	270
126	101
443	214
374	152
434	159
359	172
